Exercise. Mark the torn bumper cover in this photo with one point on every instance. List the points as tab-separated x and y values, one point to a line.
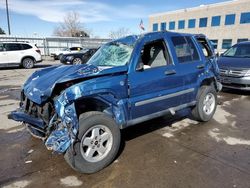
21	116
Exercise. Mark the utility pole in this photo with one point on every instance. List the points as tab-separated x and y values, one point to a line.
8	17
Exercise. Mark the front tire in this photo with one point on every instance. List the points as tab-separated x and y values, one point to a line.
28	63
206	104
99	141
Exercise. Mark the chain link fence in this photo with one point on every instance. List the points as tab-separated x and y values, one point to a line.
49	45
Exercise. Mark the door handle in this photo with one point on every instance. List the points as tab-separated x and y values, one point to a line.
170	72
200	66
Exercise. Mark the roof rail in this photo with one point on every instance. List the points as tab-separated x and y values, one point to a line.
14	41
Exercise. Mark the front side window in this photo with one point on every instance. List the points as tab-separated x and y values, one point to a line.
155	27
242	50
230	19
13	47
245	18
215	21
191	23
181	24
154	54
226	43
172	25
112	54
185	49
203	22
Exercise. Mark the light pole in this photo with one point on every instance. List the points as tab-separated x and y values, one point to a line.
8	17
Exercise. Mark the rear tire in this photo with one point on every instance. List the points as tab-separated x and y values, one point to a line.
77	61
206	104
99	141
28	63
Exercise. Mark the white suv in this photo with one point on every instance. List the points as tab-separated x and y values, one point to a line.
19	53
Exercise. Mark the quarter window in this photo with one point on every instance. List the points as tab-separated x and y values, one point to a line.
215	21
226	43
26	46
230	19
1	47
181	24
203	22
245	17
172	25
185	49
191	23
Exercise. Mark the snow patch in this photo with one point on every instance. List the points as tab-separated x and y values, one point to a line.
71	181
18	184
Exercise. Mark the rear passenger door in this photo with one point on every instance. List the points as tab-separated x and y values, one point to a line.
14	52
191	64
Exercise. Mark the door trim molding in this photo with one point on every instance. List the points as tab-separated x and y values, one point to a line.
164	97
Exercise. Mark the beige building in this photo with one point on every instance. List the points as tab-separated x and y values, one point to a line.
224	23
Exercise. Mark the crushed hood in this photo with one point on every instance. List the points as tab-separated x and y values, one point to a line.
40	84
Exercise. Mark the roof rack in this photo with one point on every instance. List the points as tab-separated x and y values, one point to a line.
14	41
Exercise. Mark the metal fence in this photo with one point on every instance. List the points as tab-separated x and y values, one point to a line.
49	45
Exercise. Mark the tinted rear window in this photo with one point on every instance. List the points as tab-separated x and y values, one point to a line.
26	46
185	49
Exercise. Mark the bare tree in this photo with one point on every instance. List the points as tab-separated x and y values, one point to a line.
119	33
71	26
2	32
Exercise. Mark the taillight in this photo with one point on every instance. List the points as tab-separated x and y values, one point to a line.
38	51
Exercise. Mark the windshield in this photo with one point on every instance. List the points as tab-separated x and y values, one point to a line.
112	55
238	51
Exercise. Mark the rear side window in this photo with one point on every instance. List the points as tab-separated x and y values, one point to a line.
13	47
26	46
185	49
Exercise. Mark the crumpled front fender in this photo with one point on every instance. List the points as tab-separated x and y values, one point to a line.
66	132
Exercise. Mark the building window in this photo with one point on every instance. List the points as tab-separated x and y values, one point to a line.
181	24
215	21
163	26
226	43
214	43
172	25
245	17
155	27
191	23
230	19
203	22
242	40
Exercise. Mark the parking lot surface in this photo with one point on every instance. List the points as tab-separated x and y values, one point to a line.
165	152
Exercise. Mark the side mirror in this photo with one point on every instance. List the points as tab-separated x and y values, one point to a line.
140	67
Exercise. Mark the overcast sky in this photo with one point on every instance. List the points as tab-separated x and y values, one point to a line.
39	17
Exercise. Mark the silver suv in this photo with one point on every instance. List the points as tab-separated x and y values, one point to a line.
19	53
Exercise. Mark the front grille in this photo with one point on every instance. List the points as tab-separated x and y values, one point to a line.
44	111
232	72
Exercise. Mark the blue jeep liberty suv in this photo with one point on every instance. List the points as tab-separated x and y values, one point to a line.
79	110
